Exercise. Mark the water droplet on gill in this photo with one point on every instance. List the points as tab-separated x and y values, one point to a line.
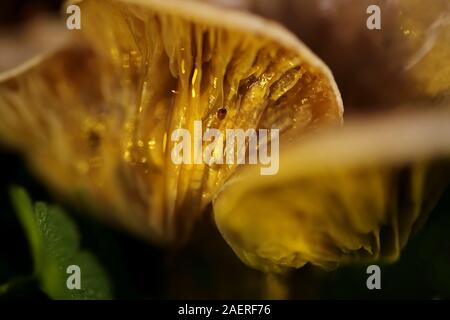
152	144
94	140
221	113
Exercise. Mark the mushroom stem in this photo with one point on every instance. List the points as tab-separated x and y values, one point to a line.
276	286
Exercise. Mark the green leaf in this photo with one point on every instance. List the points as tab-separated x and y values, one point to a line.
94	278
24	209
55	244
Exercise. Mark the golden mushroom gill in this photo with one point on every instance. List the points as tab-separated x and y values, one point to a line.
96	120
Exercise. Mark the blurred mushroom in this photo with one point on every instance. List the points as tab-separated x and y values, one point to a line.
345	196
19	44
404	62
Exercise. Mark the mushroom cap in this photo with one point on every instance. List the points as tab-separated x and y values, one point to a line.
353	195
95	120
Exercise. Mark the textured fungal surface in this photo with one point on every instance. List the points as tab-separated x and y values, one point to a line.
360	205
96	120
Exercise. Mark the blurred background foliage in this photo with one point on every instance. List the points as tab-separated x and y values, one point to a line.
207	267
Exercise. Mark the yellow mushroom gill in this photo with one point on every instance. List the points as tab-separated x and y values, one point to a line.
353	195
96	120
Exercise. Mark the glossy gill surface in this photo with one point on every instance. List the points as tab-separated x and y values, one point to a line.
100	121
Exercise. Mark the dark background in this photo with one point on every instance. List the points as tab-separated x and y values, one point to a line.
13	12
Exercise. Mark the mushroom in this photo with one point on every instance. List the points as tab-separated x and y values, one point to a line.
96	119
353	195
406	61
